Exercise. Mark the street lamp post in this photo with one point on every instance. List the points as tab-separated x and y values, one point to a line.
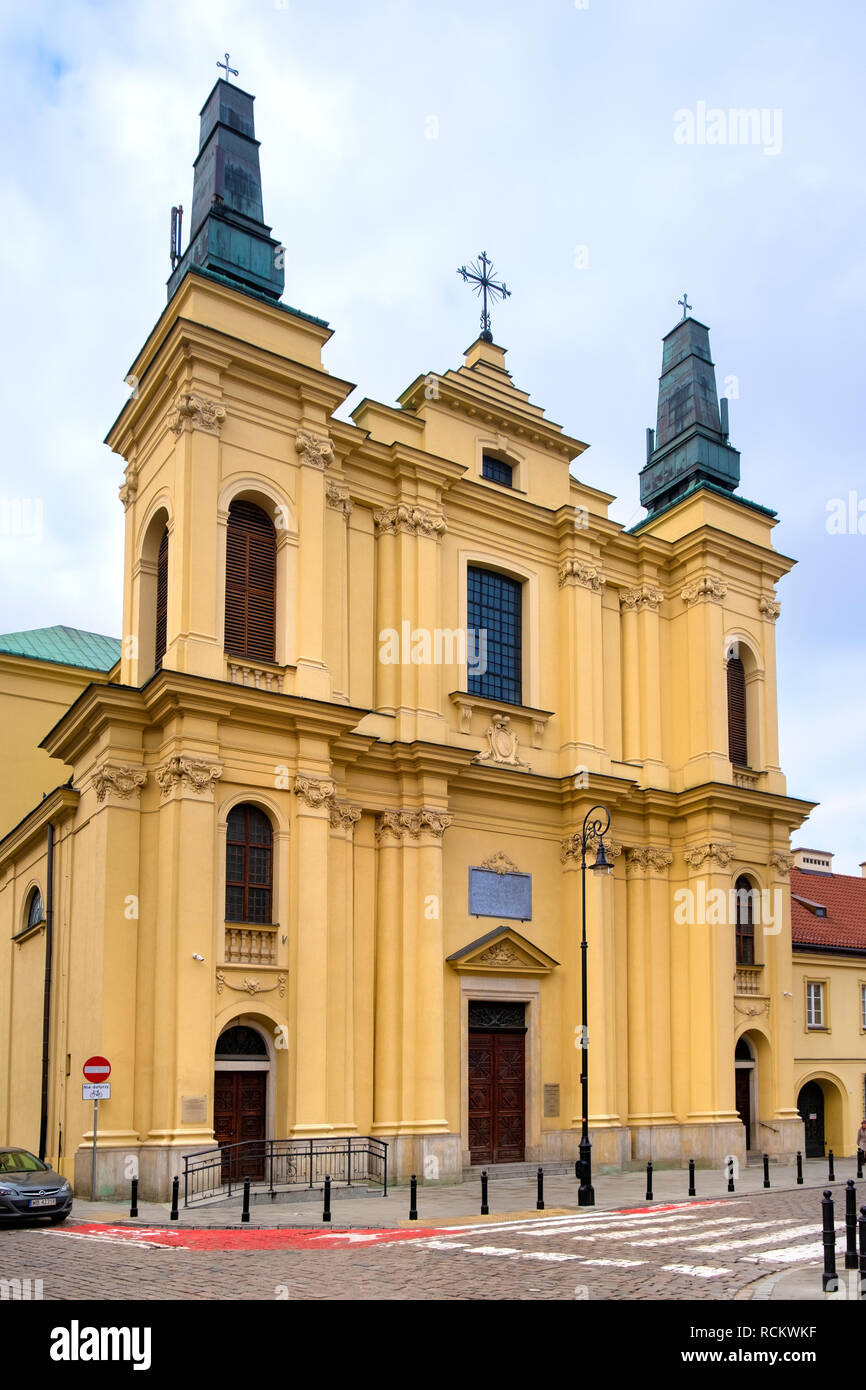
592	830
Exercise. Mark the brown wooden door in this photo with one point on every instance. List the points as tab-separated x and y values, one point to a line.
239	1118
810	1103
744	1100
497	1097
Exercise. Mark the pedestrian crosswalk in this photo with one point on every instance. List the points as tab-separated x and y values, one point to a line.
699	1240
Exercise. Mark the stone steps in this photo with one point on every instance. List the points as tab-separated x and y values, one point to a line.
517	1170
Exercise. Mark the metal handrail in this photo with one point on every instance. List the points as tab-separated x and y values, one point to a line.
273	1164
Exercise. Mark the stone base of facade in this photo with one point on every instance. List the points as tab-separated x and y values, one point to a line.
154	1164
433	1158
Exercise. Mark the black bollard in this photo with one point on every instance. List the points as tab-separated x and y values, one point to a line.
692	1192
766	1170
245	1209
829	1279
485	1210
862	1225
799	1167
731	1175
859	1163
413	1198
539	1203
326	1210
133	1200
649	1182
831	1176
175	1186
850	1225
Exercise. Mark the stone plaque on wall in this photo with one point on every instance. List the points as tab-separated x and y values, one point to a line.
551	1101
193	1110
500	895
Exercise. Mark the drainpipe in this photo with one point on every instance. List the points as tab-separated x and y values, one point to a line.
46	997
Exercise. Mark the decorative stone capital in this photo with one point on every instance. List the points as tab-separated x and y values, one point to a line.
769	607
577	571
196	773
412	520
645	596
315	791
339	499
502	745
700	590
193	412
121	780
129	488
499	863
398	825
343	816
570	848
700	854
781	863
314	450
648	859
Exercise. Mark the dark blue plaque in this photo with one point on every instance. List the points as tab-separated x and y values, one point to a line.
500	895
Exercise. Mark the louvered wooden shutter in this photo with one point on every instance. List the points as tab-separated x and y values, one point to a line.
161	598
251	582
738	748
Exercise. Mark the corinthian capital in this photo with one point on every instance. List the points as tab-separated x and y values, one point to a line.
196	773
414	521
699	854
315	791
576	571
769	607
649	858
194	412
707	587
644	596
120	780
315	450
339	499
411	824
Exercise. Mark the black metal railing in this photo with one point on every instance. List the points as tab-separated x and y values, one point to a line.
274	1165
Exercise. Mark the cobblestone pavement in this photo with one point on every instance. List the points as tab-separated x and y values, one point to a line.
702	1250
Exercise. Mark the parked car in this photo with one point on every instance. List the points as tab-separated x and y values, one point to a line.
29	1188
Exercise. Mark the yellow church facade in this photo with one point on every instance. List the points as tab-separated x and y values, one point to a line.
312	865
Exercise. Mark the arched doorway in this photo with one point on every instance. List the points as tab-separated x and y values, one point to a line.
241	1071
810	1104
745	1091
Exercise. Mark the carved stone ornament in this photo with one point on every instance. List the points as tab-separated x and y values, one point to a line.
315	450
339	499
570	848
643	597
128	488
122	781
769	607
500	953
343	816
577	571
414	521
315	791
649	858
707	587
781	863
502	745
499	863
195	412
250	985
699	854
196	773
399	824
755	1011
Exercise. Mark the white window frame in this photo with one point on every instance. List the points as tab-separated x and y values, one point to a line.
815	991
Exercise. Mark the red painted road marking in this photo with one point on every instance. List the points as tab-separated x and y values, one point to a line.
241	1240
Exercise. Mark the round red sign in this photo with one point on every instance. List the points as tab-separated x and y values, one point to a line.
97	1069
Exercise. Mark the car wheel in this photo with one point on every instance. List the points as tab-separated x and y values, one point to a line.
58	1217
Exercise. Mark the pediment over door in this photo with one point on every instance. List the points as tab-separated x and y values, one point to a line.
502	951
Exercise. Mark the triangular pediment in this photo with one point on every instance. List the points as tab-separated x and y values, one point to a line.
502	951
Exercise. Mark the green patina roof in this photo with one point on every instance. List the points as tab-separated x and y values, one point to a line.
65	646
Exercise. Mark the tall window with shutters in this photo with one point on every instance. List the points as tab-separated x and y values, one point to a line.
251	583
249	866
161	598
738	743
745	922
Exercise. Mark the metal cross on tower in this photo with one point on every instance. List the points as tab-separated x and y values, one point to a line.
230	72
480	276
685	303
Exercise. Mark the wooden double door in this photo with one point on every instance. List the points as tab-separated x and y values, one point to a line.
240	1104
810	1104
497	1096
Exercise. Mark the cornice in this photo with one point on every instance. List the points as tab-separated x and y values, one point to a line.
59	805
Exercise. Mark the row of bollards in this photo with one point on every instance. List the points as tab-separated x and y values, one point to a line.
854	1227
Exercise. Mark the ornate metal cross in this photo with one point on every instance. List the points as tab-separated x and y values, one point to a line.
232	71
480	276
684	301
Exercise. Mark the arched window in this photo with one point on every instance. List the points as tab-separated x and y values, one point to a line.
249	866
738	745
251	583
161	598
745	922
241	1041
35	909
495	607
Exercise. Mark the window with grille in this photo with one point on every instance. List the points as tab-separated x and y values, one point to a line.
494	606
814	1005
249	866
497	471
745	922
738	747
251	583
35	910
161	598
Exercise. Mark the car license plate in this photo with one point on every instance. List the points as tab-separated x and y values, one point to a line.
43	1201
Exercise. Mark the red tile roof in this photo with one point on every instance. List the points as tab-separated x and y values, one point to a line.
844	897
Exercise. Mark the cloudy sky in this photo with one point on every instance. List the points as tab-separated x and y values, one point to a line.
398	141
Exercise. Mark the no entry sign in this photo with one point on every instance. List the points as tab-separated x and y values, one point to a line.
97	1069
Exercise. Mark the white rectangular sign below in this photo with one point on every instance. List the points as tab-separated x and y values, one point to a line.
96	1091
